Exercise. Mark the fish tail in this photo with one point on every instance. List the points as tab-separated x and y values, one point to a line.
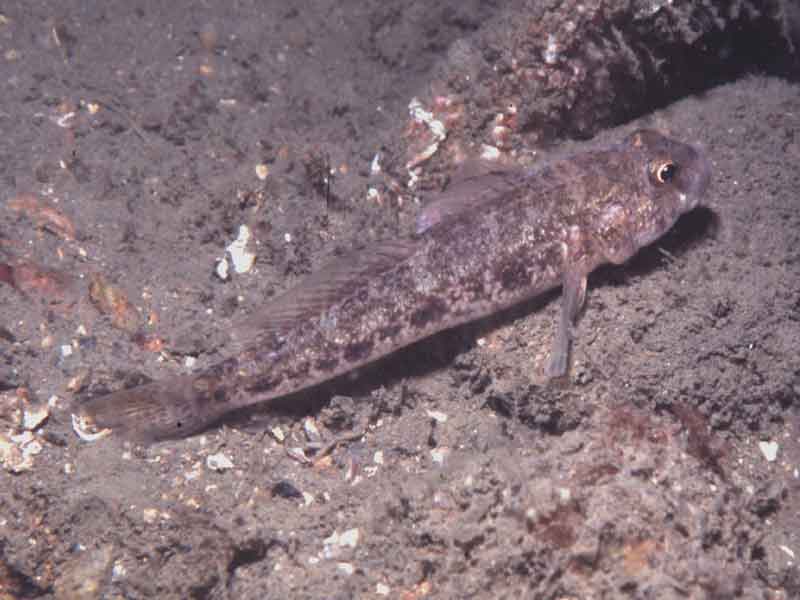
171	408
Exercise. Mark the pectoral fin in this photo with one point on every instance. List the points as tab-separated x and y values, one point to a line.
573	296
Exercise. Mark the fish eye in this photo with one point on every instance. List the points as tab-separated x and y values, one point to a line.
665	171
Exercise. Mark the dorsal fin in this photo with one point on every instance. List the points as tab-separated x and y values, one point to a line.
332	283
474	184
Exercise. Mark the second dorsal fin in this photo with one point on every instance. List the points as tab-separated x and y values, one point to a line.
331	284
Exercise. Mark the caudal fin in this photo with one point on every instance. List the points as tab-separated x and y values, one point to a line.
172	408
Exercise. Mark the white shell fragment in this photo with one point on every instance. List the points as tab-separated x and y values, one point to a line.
375	165
241	257
150	515
10	456
349	538
439	455
550	54
34	417
382	589
17	451
437	416
86	430
346	568
219	462
489	152
435	126
420	115
299	454
336	542
223	268
262	171
311	430
769	450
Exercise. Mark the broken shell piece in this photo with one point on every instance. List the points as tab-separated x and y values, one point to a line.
382	589
222	269
437	132
85	429
437	416
769	450
11	409
349	538
17	451
17	409
336	542
150	515
219	462
375	166
34	416
346	568
439	455
490	152
77	381
11	456
241	257
312	431
262	171
298	454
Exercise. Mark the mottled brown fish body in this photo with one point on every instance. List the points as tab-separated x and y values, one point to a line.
489	242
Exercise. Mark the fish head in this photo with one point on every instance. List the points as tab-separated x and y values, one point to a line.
671	179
